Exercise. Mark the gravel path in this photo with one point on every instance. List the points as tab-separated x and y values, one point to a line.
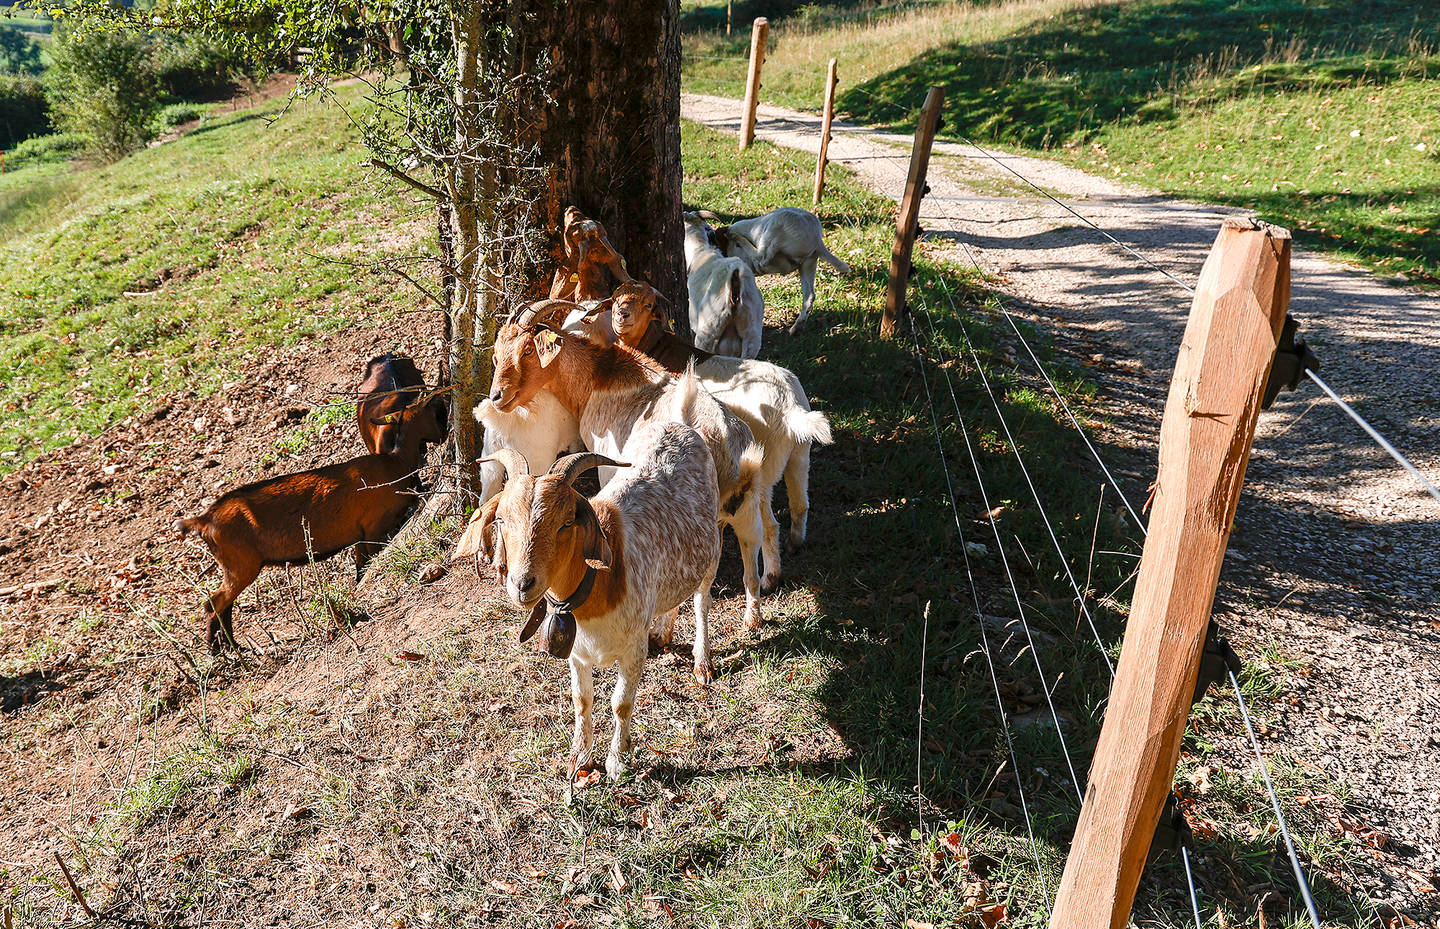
1335	559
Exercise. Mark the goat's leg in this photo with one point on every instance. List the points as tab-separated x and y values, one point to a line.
797	489
770	543
219	606
622	704
582	694
704	673
749	532
807	292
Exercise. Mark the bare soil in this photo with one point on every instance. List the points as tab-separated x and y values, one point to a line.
1333	560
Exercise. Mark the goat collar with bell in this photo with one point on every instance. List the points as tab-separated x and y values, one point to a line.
556	618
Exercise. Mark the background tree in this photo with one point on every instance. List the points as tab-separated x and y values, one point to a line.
18	52
103	85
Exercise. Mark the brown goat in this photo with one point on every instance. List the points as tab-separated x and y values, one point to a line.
588	260
640	323
295	518
392	399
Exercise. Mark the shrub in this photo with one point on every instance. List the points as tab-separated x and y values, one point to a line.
23	112
45	149
103	84
195	68
176	114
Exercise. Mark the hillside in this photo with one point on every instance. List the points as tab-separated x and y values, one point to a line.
1319	116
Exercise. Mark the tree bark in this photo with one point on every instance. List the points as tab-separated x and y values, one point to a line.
608	130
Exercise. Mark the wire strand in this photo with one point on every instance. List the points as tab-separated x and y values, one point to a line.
1275	804
1375	434
980	618
1015	448
1010	576
1190	882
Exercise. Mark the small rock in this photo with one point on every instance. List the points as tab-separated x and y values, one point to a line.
432	573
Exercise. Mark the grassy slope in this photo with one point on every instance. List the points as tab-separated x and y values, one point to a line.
233	250
1321	116
784	796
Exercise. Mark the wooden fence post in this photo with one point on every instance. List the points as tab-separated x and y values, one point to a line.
758	33
1205	437
729	16
907	223
820	160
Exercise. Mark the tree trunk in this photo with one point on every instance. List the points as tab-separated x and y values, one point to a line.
608	132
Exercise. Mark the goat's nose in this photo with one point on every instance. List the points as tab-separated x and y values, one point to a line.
496	395
525	584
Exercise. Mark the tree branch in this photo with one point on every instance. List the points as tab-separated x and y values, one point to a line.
418	185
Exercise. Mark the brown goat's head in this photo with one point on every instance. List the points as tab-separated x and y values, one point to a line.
585	241
539	531
423	420
524	364
635	307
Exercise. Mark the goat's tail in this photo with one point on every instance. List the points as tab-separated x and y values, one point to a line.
829	258
808	426
688	390
750	464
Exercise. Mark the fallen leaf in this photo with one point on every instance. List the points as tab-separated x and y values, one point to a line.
410	656
916	924
994	915
617	879
504	886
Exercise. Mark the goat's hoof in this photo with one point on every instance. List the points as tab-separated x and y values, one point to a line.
704	673
794	544
614	767
768	584
752	620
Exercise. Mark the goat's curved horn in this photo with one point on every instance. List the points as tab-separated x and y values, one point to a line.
572	466
512	461
707	215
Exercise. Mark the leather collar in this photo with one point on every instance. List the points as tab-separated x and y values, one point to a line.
558	616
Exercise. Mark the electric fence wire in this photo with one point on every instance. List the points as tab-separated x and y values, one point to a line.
1275	804
1010	575
980	617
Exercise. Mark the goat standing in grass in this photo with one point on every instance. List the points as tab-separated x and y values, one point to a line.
653	536
782	241
727	312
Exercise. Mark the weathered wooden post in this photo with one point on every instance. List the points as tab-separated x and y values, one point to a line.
1205	437
729	16
907	223
821	159
758	34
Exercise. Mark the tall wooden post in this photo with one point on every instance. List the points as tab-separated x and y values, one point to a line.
908	221
758	34
820	160
729	16
1205	437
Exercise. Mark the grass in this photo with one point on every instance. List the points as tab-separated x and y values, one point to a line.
1318	116
111	279
404	773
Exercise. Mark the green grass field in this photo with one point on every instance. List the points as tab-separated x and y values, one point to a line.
119	287
1320	116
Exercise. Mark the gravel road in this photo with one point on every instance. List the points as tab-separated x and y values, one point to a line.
1335	559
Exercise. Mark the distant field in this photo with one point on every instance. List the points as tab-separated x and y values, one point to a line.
1320	116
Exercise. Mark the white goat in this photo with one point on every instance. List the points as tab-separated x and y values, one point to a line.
782	241
540	431
727	313
654	534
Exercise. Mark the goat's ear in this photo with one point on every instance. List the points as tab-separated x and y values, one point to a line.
476	538
597	547
735	288
547	346
720	238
